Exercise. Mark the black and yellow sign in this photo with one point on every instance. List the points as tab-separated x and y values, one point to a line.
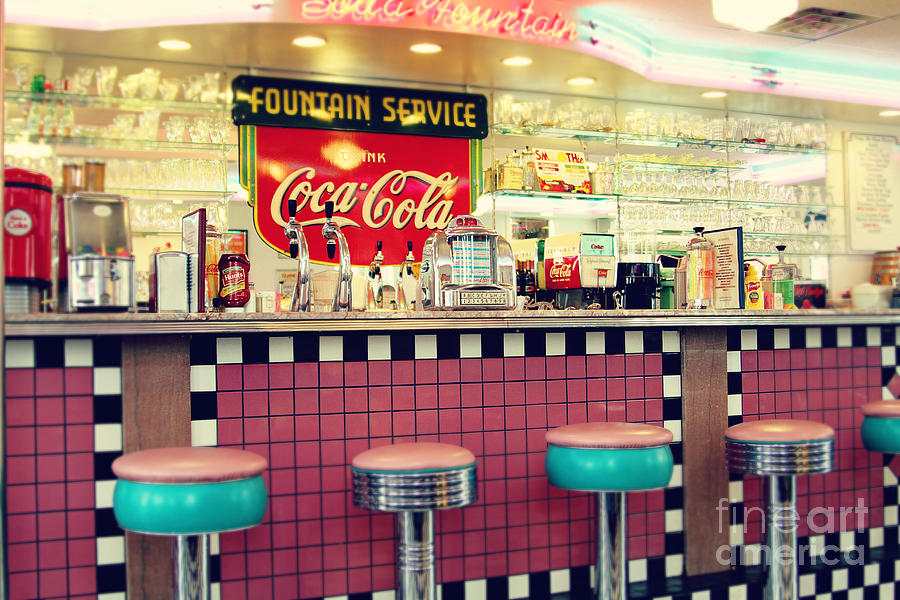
317	105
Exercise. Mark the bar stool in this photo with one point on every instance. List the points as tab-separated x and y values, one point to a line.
610	459
780	449
189	493
413	480
881	426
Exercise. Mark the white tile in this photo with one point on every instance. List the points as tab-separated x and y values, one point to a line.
886	394
595	342
813	337
637	570
674	520
204	433
671	342
748	339
889	477
384	595
214	543
700	595
886	591
476	589
839	581
674	565
215	591
873	336
634	342
108	437
19	354
344	597
876	537
871	574
890	515
736	534
844	337
78	352
107	380
735	491
331	348
426	346
807	585
846	540
888	356
117	596
518	586
555	343
111	550
470	345
896	570
513	344
735	405
676	479
782	339
733	361
855	594
737	592
560	581
671	386
752	554
675	428
379	347
281	349
203	378
826	596
103	493
229	351
816	545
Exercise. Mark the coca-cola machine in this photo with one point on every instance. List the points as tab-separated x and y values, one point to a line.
27	219
576	270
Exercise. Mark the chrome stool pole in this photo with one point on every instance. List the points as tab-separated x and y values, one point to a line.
611	574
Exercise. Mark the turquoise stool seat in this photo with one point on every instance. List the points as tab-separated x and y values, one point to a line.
610	459
881	426
189	493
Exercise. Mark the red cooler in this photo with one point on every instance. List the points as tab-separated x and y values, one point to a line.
27	211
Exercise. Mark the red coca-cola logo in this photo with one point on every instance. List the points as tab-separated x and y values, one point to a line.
389	188
17	222
561	271
597	246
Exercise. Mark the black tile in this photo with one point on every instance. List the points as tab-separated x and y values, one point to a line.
535	342
735	513
656	575
871	593
855	576
498	588
887	373
673	498
447	344
652	341
677	453
107	351
859	336
672	409
886	571
455	590
890	494
492	344
734	383
829	337
49	352
215	567
674	543
823	581
798	337
254	348
365	596
576	344
204	405
735	420
103	465
105	523
356	346
671	363
110	578
580	582
539	585
107	409
615	341
891	540
403	346
203	350
306	347
886	459
765	338
888	335
733	338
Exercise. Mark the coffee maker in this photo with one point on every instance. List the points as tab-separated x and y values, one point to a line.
577	270
101	265
27	216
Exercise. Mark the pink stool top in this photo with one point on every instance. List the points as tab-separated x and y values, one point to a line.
882	408
188	465
609	435
416	456
779	430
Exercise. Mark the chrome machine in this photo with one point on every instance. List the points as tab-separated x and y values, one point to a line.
467	267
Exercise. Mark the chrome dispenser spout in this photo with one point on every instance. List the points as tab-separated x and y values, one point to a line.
374	284
335	241
301	295
404	272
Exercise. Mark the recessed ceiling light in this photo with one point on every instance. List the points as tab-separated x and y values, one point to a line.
425	48
714	94
581	81
174	45
889	113
309	41
517	61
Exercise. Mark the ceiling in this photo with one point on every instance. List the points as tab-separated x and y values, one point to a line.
379	54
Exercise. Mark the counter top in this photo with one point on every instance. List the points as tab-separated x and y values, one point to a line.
175	323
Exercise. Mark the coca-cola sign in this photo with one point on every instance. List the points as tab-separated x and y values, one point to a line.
385	187
562	273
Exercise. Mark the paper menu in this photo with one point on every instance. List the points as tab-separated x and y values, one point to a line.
562	171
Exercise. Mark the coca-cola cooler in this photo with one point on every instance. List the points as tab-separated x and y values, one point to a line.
27	219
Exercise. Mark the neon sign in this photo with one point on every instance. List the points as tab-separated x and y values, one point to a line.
455	15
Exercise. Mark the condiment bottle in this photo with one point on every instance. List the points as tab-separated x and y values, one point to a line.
234	290
782	276
752	288
700	271
215	246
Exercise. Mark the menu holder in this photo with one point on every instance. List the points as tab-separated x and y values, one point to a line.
728	287
193	241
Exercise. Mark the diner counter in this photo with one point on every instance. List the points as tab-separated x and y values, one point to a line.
175	323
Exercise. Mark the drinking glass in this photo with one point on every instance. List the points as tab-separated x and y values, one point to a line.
22	74
148	125
130	84
106	79
198	129
219	130
192	87
210	87
786	134
122	126
81	80
169	87
149	83
174	127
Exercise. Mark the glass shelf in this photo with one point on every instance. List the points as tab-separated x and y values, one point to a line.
112	102
757	244
638	165
537	202
157	193
634	139
555	195
120	144
724	201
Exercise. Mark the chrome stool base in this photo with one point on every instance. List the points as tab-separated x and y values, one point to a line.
611	574
191	567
